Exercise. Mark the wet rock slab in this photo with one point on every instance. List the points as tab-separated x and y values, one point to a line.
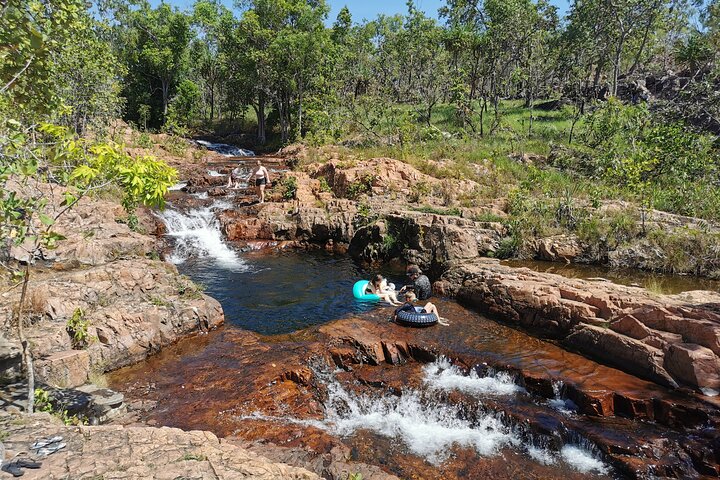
225	380
669	339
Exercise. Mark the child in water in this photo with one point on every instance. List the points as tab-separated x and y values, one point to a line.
409	306
379	286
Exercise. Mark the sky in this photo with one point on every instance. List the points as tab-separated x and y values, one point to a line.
369	9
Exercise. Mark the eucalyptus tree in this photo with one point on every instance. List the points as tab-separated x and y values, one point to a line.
155	44
209	18
283	42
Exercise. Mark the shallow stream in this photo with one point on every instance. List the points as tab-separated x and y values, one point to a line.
431	420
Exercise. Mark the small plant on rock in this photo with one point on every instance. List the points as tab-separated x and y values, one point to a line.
77	328
290	186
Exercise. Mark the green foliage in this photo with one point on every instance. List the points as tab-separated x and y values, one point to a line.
360	186
144	140
44	402
419	191
289	188
456	212
50	153
77	328
324	186
364	216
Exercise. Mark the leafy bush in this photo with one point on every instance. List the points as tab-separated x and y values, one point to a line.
77	328
289	185
419	191
360	186
324	185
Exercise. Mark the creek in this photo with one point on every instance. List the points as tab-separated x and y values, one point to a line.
265	375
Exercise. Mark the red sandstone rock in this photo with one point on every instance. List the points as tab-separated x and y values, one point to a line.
643	327
692	362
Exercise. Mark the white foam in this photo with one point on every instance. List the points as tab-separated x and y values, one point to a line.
214	173
428	427
197	234
442	375
200	195
177	186
562	405
710	392
582	460
541	455
226	150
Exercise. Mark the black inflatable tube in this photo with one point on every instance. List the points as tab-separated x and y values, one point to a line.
418	318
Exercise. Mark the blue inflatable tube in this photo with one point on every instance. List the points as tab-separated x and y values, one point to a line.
359	291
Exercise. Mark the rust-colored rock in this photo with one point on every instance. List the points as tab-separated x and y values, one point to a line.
643	328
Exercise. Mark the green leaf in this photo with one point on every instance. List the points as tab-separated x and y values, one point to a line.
46	220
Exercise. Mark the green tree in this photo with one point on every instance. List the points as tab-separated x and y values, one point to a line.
154	43
45	170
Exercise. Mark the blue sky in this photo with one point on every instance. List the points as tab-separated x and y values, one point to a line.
369	9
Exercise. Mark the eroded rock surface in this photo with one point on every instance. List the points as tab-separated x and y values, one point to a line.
133	308
670	339
136	453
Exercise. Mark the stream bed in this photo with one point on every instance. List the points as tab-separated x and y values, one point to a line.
463	401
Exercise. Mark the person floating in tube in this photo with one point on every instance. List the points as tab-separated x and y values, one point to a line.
260	177
409	306
386	291
421	283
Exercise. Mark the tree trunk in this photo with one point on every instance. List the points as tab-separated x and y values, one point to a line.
260	112
165	98
212	102
300	111
26	355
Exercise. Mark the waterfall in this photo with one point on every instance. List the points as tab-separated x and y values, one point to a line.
430	427
197	234
226	150
442	375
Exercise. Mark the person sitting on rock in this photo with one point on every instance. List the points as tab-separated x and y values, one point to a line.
409	306
379	286
236	175
421	283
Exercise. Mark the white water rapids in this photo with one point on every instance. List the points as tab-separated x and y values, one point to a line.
430	428
225	149
197	234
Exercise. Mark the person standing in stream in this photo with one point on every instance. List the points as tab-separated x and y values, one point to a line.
421	283
260	177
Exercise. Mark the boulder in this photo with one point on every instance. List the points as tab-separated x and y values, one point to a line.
621	351
693	365
558	248
65	369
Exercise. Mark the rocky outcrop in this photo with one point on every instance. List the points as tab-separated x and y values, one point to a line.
671	340
95	232
136	452
132	308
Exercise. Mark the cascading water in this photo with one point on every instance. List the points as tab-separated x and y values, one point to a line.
442	375
225	149
197	234
431	427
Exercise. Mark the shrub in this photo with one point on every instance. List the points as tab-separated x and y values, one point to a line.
289	185
360	186
77	328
